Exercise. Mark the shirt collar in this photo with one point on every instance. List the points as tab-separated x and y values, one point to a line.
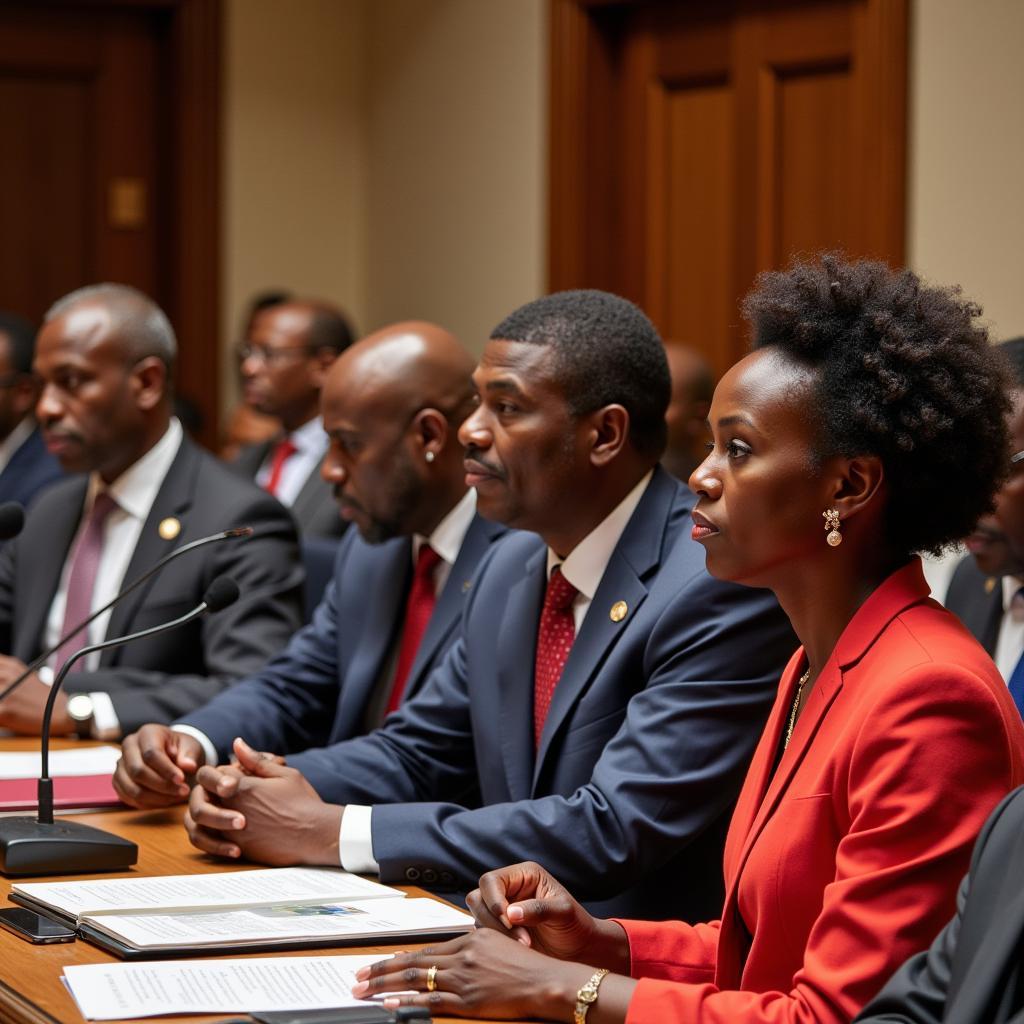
449	534
136	488
15	439
1010	584
310	437
586	563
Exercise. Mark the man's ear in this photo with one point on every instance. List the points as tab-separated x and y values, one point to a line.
323	359
149	377
608	433
430	431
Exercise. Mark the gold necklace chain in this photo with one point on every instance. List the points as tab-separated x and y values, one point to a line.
796	707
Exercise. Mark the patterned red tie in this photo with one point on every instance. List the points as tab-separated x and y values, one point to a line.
85	563
419	606
283	451
555	635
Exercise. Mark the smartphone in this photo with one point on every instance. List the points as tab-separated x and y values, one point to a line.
34	927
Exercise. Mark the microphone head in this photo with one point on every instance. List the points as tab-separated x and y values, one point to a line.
12	519
221	592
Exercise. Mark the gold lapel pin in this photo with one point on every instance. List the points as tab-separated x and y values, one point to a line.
466	584
618	611
990	584
169	528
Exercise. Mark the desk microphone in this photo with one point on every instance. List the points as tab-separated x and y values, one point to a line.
12	519
42	846
242	532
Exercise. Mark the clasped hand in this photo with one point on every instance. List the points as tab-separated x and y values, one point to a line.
262	810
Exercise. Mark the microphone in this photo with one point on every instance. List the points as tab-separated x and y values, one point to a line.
239	532
42	846
12	519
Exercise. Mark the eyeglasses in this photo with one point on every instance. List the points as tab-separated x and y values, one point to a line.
267	355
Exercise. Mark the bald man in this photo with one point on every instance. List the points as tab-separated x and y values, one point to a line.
104	358
392	405
687	413
283	362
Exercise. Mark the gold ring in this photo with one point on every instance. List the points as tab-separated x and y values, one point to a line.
432	978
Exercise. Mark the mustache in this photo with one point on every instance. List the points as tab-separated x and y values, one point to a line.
473	455
345	501
61	433
989	533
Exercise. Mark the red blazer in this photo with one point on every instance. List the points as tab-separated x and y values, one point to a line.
846	860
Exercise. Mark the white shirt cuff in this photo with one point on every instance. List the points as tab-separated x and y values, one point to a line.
355	841
204	741
105	725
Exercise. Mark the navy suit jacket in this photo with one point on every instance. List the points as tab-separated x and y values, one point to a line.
162	677
317	690
977	600
29	470
974	970
644	748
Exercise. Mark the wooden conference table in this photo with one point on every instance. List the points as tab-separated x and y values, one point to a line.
31	991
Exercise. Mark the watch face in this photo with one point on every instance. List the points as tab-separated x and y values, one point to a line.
80	707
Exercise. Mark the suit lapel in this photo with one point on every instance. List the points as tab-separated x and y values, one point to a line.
517	646
173	500
42	575
379	611
309	497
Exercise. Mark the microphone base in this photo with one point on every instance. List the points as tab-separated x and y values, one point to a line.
31	847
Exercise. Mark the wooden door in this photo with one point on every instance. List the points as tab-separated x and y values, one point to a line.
108	168
696	144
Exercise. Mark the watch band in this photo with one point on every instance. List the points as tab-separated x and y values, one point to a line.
587	996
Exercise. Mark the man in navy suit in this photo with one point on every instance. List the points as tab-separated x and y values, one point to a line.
26	467
599	707
392	405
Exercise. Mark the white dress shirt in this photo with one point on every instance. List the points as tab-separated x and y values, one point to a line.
583	567
14	440
1010	642
134	490
446	540
310	442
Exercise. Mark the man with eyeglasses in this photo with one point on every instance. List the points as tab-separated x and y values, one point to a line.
26	467
987	589
283	362
104	359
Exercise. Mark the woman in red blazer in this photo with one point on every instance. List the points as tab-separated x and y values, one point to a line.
872	406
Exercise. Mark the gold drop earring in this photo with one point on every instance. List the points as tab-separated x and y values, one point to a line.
834	537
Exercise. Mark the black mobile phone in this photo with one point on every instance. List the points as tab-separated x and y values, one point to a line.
34	927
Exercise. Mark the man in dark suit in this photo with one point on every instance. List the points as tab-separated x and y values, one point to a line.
392	404
974	970
987	588
282	362
104	358
601	702
26	467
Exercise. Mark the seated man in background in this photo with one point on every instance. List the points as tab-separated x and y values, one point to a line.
604	694
687	413
283	362
392	404
987	589
104	357
26	467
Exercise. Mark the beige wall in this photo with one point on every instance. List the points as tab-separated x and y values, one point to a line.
966	208
456	160
294	156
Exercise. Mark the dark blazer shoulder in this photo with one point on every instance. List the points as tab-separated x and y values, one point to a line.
977	600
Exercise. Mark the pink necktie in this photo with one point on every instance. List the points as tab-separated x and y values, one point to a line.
555	637
85	563
419	606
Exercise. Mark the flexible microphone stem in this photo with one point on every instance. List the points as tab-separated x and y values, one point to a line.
45	787
237	532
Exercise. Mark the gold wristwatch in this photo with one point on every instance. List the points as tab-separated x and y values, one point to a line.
587	996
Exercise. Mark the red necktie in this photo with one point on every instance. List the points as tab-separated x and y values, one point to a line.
419	606
85	563
283	451
555	635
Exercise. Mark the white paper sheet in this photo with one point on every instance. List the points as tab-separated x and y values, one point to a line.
63	763
371	920
123	991
175	893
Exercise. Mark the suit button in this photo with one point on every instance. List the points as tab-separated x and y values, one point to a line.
447	877
412	874
429	876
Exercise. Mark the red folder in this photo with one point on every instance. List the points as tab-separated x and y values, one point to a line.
79	791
